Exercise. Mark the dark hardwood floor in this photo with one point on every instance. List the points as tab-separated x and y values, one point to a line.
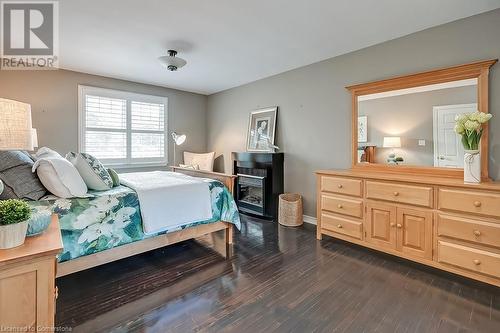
279	280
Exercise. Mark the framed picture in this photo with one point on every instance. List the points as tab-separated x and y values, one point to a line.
261	129
362	129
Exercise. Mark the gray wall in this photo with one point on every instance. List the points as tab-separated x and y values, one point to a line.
53	96
411	118
315	112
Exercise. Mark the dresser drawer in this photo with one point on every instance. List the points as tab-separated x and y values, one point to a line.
469	258
409	194
341	225
469	230
341	185
342	205
482	203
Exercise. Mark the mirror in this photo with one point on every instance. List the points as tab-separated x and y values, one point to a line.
414	126
406	124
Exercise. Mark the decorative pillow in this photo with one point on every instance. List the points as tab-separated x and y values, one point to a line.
204	161
92	171
19	181
60	177
114	177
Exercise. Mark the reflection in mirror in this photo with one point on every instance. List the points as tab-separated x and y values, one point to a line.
414	126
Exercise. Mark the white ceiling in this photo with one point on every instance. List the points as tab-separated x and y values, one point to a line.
228	43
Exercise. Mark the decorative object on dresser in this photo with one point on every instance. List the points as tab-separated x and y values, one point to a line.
421	108
14	216
39	221
261	130
27	282
470	127
179	139
260	180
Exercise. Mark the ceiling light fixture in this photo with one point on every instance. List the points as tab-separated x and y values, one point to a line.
171	62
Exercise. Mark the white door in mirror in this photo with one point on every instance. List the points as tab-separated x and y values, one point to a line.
448	149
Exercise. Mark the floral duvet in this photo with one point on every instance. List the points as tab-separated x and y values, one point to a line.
112	218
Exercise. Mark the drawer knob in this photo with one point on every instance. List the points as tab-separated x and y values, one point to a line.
477	203
477	233
476	262
340	186
396	194
393	225
340	206
339	226
399	226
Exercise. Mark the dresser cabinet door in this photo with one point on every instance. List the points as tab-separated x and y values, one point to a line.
381	225
414	232
27	298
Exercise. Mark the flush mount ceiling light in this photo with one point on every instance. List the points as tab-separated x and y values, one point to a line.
171	62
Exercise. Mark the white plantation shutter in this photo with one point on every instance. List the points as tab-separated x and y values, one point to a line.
122	128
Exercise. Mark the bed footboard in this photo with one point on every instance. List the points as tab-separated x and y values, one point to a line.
218	236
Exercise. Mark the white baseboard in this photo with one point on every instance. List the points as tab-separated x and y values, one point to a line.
309	219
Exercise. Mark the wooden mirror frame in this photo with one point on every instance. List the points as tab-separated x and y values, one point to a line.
479	70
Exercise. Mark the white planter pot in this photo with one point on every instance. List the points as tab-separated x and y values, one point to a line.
472	166
13	235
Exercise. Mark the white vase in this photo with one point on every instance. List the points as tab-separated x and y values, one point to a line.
472	166
12	235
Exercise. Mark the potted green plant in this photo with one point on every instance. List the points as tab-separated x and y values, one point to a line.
470	126
14	216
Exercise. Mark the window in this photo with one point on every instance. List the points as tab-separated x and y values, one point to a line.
122	128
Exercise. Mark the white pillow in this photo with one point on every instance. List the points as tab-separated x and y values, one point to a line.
94	174
60	177
46	152
204	161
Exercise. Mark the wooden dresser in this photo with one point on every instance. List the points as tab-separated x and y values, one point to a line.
27	283
440	222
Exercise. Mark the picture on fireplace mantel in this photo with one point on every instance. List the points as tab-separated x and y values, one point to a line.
261	129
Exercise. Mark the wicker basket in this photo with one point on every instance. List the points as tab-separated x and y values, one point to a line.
290	210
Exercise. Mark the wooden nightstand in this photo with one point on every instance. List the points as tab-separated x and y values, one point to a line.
27	282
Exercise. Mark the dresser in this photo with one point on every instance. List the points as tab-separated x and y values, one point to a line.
27	282
440	222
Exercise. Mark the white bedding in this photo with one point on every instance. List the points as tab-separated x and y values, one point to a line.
168	199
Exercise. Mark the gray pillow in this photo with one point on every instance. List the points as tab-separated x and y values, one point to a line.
19	181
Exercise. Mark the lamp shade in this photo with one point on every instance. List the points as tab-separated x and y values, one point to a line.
15	125
178	138
34	135
392	142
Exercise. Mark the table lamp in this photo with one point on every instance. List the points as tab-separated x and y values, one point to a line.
179	139
15	127
392	142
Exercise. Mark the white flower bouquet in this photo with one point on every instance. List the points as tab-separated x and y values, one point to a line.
470	127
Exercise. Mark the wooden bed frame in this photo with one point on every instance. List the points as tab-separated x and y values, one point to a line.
218	235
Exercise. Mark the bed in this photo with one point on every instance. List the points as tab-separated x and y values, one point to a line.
108	226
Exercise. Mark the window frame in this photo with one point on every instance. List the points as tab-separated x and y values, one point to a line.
129	97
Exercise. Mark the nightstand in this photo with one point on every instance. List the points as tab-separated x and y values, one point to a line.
27	282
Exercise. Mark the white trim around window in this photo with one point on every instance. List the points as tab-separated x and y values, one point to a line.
110	120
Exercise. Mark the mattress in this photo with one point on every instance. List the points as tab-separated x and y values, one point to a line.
113	218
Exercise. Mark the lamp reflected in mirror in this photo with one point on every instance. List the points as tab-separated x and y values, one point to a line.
392	142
